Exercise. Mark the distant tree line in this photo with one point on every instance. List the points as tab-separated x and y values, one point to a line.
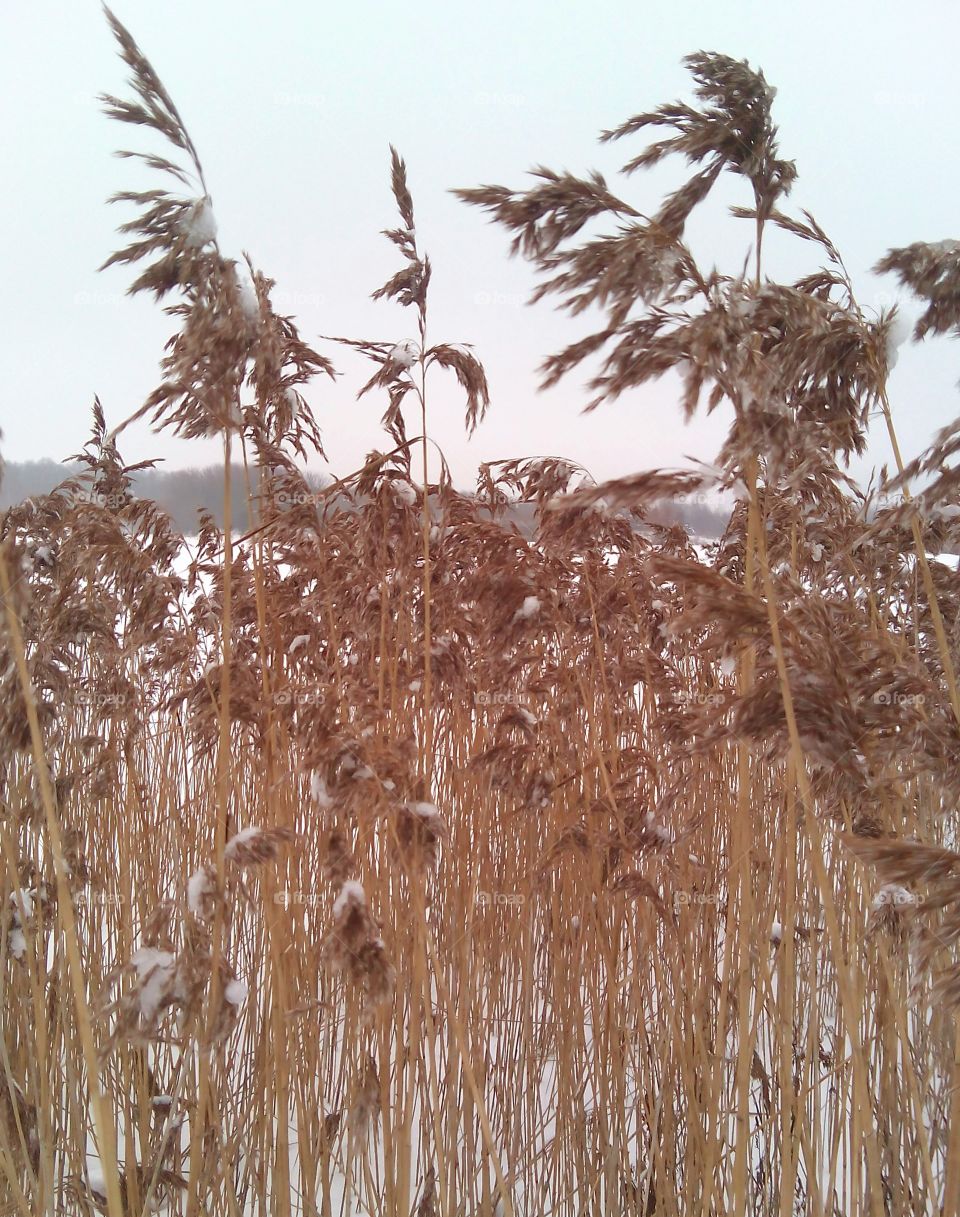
183	493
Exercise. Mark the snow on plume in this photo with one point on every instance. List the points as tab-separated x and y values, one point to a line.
897	335
319	793
200	226
895	894
235	992
154	968
199	884
249	303
529	608
351	893
428	812
405	492
404	353
243	837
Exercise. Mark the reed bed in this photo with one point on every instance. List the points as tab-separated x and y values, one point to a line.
394	859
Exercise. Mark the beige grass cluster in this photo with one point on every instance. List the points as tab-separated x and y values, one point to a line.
394	859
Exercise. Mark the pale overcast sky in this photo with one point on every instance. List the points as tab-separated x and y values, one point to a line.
292	105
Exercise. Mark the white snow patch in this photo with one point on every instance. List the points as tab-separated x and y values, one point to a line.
658	830
154	968
145	959
405	492
242	838
351	893
249	303
404	353
426	811
529	608
293	401
235	992
199	885
895	894
200	226
897	335
318	790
